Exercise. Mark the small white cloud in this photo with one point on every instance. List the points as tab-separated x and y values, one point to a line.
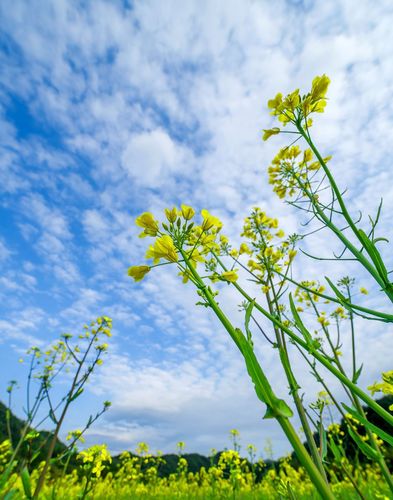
149	157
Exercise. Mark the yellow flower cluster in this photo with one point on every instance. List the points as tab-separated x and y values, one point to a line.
267	251
295	108
94	457
291	171
179	235
386	386
305	297
229	476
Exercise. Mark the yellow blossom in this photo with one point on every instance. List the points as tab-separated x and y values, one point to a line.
323	320
319	88
209	221
244	249
171	215
291	254
138	272
364	291
149	224
269	132
230	276
163	248
187	212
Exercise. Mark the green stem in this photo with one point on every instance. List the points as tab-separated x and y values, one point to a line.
384	316
294	386
359	256
315	475
325	362
305	459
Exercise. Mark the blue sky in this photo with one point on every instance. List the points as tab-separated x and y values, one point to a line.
109	109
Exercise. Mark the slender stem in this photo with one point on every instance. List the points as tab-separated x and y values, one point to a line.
321	359
359	256
383	316
294	386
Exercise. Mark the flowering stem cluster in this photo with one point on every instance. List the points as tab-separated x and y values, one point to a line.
79	361
266	257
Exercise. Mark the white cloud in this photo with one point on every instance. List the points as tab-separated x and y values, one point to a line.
150	157
144	108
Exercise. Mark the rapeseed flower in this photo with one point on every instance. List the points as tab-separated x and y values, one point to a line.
149	224
163	248
138	272
230	276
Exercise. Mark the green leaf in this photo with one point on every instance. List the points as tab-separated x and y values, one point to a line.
357	374
298	322
6	474
364	447
335	450
25	476
343	300
247	320
52	416
11	494
278	407
374	254
269	413
388	438
76	395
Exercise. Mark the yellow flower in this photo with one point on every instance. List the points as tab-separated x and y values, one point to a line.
230	276
187	212
244	249
323	320
292	100
275	103
163	248
209	221
280	234
138	272
171	215
269	132
364	291
291	255
319	87
149	224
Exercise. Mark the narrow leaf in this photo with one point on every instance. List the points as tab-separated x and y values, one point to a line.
388	438
299	323
247	320
357	374
339	295
364	447
335	450
76	395
25	476
374	254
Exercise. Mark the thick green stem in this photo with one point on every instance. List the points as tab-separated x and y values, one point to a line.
305	459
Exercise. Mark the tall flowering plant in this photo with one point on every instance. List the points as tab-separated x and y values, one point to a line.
203	256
